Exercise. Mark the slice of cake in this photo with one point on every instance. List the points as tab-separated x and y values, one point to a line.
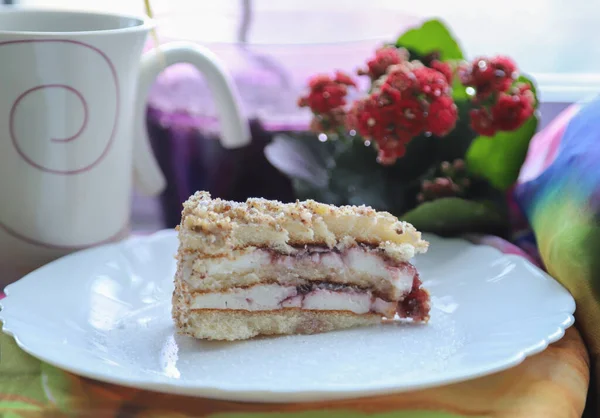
263	267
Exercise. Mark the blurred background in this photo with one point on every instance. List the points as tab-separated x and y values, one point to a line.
271	48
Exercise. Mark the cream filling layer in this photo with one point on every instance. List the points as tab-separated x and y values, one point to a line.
270	297
347	264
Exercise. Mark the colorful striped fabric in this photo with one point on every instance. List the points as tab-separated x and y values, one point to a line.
559	193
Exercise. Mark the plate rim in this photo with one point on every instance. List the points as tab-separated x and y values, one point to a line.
250	394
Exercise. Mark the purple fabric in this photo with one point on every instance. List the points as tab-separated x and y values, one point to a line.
194	160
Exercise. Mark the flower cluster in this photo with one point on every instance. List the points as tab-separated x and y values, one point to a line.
453	181
410	99
384	58
501	103
326	99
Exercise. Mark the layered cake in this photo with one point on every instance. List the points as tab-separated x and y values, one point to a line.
263	267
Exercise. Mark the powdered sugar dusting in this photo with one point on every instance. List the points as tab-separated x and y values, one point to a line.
388	354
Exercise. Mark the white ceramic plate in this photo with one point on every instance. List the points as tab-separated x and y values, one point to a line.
104	313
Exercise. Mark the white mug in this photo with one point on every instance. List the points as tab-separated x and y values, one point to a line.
73	94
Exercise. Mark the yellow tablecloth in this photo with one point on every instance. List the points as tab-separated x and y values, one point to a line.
552	384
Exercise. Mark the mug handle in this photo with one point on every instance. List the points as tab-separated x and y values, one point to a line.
235	130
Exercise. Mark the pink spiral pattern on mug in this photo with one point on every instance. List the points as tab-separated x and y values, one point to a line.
66	171
42	87
76	136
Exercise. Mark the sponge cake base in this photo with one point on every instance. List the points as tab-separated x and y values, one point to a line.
217	324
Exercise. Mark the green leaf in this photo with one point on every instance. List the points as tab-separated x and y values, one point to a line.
498	159
459	91
453	215
431	36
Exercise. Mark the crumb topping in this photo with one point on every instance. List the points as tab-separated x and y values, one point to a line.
216	225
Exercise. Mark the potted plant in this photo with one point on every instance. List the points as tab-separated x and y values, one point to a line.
433	139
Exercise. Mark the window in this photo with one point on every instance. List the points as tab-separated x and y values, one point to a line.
553	40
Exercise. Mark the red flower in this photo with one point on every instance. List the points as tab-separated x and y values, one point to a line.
431	82
410	118
501	104
506	65
326	94
319	81
401	79
507	113
442	116
380	121
384	120
353	115
389	93
326	99
343	78
406	100
513	109
479	75
384	58
410	100
361	117
482	122
389	151
390	123
443	68
489	76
